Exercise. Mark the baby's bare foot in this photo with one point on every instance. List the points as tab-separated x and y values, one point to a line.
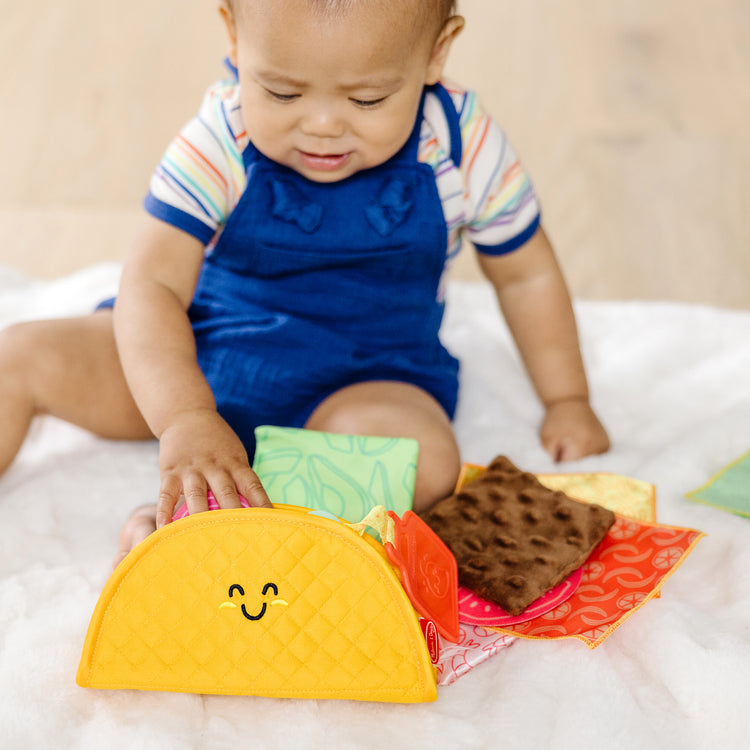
141	524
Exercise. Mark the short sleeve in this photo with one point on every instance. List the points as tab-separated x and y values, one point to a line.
504	210
201	175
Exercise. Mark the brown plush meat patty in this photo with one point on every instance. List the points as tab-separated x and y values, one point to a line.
513	538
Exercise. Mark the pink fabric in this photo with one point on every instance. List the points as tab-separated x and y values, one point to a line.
475	645
472	610
182	511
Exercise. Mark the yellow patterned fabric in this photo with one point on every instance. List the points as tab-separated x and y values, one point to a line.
271	602
624	495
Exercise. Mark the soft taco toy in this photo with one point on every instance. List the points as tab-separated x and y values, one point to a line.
279	602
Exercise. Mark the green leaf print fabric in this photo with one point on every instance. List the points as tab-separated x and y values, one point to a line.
346	475
729	489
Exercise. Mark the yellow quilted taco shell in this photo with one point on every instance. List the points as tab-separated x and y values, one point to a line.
270	602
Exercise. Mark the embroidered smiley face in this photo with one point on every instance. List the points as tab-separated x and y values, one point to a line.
235	588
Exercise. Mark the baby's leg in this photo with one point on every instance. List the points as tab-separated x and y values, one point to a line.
393	409
69	369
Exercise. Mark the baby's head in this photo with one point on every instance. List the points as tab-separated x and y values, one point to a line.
331	87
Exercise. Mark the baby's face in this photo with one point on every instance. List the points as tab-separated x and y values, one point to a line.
326	96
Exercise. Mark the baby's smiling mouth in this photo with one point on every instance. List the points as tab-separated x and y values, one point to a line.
324	162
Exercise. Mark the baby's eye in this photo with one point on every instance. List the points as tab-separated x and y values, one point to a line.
369	103
282	97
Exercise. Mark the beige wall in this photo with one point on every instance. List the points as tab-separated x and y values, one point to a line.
630	117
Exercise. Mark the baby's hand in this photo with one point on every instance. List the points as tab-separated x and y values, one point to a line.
571	430
200	451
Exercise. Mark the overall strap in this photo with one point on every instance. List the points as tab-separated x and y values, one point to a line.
410	150
453	118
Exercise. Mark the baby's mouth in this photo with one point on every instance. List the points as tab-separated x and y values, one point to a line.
324	162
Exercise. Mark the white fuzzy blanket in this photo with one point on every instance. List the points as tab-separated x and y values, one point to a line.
672	383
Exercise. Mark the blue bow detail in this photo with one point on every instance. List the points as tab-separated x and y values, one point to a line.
290	205
391	208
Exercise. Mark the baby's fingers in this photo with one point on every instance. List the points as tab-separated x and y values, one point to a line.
225	492
557	447
195	489
227	486
169	494
251	488
564	450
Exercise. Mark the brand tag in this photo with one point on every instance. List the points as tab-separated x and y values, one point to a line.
431	637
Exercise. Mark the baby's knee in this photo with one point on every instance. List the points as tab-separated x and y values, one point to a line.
346	414
437	473
36	357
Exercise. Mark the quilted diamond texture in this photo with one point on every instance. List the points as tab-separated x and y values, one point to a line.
258	602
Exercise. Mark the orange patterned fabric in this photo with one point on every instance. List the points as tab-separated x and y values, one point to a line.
624	572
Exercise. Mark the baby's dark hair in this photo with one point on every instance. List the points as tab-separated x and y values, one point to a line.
440	10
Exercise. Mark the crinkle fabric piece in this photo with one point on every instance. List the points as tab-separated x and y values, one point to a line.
475	645
513	538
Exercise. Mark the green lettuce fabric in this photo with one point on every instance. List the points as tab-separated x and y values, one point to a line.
346	475
729	489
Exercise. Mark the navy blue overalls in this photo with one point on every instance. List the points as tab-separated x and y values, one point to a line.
312	287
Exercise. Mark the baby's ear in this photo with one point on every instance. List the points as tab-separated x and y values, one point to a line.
453	27
227	15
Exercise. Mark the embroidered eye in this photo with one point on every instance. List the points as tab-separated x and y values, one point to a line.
239	589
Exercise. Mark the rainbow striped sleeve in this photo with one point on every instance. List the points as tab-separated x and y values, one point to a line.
503	208
201	175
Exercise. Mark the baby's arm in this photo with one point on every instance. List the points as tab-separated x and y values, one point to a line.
536	304
197	449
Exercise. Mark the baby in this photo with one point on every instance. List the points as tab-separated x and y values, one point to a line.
288	270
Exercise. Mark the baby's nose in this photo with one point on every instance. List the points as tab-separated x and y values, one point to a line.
323	121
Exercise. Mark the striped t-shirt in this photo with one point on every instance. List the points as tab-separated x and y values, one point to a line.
487	197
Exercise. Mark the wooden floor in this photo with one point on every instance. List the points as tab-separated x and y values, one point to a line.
631	117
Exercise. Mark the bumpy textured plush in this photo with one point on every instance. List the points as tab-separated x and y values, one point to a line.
513	538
